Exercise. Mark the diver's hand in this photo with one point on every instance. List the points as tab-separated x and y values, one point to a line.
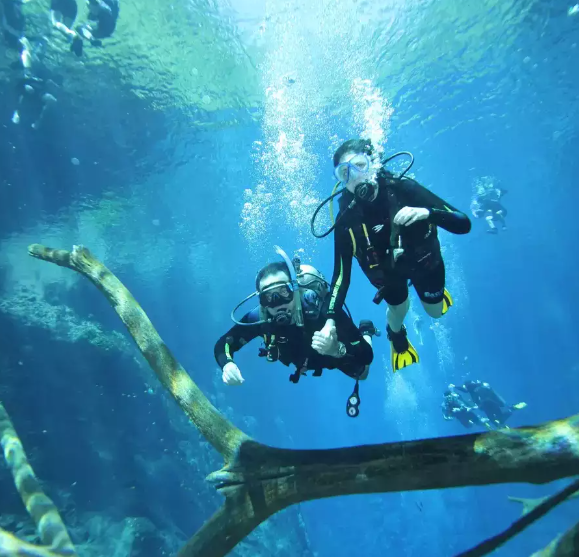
231	374
325	342
326	330
328	326
409	215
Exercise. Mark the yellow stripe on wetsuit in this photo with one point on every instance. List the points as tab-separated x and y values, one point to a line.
354	247
337	287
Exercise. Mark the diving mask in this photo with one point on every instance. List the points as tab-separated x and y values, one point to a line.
276	295
358	164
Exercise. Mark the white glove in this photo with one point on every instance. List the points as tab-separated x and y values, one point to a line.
231	374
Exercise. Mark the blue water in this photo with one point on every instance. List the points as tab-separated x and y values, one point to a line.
160	195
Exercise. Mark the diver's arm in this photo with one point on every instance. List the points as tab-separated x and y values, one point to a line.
357	349
442	214
233	340
104	8
476	209
445	413
341	277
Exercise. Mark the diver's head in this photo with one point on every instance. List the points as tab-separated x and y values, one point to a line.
447	394
276	295
313	288
480	189
356	166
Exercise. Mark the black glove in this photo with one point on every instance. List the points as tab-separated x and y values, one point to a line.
367	328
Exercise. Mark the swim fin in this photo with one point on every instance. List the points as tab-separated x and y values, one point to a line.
447	301
402	353
520	405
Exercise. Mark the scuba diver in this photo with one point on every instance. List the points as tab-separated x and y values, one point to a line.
103	16
389	224
62	15
36	87
13	22
34	94
454	406
489	402
293	300
487	202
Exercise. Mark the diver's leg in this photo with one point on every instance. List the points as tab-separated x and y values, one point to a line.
26	53
494	412
395	315
463	419
500	219
395	293
26	90
59	22
429	285
402	353
48	100
16	113
433	310
364	374
490	218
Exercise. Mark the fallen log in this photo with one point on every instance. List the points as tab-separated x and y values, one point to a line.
258	480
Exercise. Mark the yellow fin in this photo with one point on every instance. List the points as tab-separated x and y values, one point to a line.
403	359
447	301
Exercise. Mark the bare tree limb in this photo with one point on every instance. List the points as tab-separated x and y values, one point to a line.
530	504
526	520
258	481
41	508
223	435
11	546
566	545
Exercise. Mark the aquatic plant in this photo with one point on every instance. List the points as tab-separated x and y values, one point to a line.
258	480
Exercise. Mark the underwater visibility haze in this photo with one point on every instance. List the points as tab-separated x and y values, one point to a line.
187	145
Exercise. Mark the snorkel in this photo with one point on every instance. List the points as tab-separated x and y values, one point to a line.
363	192
298	317
298	313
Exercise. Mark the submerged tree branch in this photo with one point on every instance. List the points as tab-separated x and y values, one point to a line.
223	435
41	508
566	545
530	504
11	546
525	521
258	480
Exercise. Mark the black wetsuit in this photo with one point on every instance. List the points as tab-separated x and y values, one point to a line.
13	22
105	18
489	202
292	344
364	231
454	406
68	8
485	397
